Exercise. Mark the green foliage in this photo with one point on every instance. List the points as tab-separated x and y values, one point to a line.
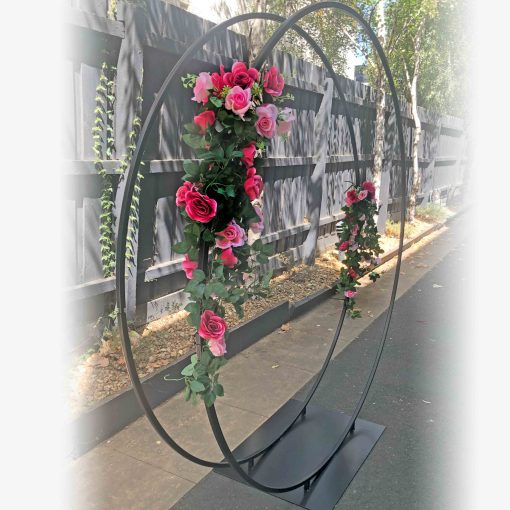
432	213
104	148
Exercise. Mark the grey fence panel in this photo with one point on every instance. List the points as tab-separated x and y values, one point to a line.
146	44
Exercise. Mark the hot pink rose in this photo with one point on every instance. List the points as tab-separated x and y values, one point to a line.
202	87
217	347
258	227
351	197
350	293
344	246
369	186
238	100
266	122
212	327
228	259
204	120
362	195
273	82
200	207
180	197
249	154
231	235
189	266
253	184
241	76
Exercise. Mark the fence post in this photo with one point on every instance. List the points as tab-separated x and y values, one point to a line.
128	89
320	149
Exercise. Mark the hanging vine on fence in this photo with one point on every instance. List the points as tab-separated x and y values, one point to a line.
104	148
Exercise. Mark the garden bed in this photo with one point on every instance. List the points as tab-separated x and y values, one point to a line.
95	377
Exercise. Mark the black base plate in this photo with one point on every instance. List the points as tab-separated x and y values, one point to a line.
301	451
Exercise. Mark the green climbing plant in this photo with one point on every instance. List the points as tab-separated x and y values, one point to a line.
104	150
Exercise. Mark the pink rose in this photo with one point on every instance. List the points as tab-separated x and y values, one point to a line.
249	154
351	197
273	82
253	185
200	207
352	273
355	230
238	100
369	186
362	195
266	122
344	246
240	76
257	227
189	266
204	120
228	259
180	197
350	293
202	87
217	347
212	327
231	235
286	118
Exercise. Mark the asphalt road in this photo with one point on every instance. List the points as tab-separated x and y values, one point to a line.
416	395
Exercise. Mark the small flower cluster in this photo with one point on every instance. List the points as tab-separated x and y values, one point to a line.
359	242
220	203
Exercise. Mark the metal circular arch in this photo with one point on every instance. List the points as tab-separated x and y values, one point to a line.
121	241
211	411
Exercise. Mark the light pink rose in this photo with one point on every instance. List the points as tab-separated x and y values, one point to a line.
362	195
201	89
238	100
285	120
189	266
257	226
217	347
266	122
350	293
231	235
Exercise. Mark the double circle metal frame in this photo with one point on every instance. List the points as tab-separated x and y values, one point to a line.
290	23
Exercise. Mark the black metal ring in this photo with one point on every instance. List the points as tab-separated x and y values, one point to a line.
121	243
211	412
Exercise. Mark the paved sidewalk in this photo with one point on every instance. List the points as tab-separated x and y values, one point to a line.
136	470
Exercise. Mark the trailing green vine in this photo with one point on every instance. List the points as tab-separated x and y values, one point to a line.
104	149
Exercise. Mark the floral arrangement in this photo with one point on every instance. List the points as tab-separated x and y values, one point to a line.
220	201
359	242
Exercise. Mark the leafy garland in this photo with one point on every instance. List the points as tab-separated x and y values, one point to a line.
359	242
220	204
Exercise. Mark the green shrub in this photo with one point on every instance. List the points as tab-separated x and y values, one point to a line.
431	213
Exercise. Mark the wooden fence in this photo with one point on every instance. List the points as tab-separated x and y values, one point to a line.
143	45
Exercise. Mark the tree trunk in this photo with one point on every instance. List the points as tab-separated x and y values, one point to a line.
257	33
416	182
380	103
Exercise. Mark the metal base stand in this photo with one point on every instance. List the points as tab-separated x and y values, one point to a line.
302	449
